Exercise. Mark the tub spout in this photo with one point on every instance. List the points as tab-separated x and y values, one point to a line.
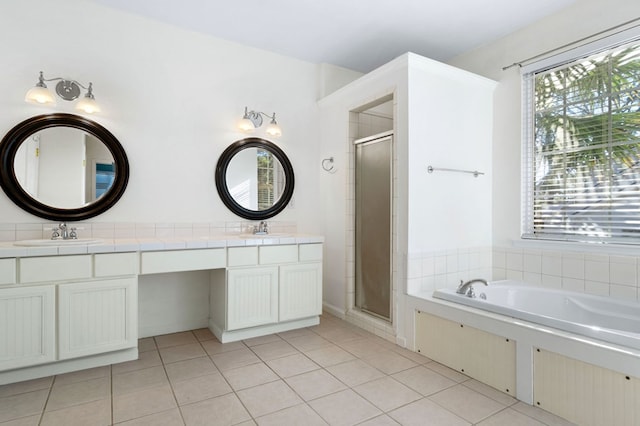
467	288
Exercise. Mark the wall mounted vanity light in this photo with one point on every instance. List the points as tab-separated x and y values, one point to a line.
67	89
253	119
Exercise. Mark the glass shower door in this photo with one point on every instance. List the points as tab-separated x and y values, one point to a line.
373	232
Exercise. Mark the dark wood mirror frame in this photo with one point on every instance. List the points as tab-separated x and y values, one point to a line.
221	181
10	185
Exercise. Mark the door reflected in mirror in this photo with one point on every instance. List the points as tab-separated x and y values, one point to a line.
255	178
64	167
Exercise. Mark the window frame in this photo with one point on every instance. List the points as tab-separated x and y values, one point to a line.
528	73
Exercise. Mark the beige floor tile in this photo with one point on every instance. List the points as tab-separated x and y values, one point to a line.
292	365
273	350
511	418
146	344
24	421
268	398
223	410
297	415
308	342
234	359
26	386
23	405
188	369
138	380
68	395
387	393
389	362
329	355
200	388
354	373
315	384
165	418
175	339
424	412
286	335
344	408
413	356
541	415
142	403
213	347
96	413
181	353
447	372
338	334
362	347
145	360
490	392
269	338
383	420
250	376
203	334
424	380
466	403
82	375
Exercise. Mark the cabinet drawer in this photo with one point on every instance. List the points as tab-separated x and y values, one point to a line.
7	271
55	268
242	256
270	255
310	252
182	260
115	264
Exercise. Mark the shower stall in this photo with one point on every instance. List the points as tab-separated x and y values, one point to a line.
373	224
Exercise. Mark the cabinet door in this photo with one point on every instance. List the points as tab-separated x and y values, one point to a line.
27	326
252	297
97	316
300	291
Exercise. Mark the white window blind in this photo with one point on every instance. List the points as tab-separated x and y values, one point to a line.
581	163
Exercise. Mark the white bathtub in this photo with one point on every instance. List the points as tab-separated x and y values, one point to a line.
601	318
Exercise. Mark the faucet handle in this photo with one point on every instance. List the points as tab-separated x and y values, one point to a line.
73	234
55	233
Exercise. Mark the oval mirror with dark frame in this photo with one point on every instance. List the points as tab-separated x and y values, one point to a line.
254	178
62	167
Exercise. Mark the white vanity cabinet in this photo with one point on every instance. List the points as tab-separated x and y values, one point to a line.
252	297
27	326
281	289
67	307
96	317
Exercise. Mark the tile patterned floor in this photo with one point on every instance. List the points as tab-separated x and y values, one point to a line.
331	374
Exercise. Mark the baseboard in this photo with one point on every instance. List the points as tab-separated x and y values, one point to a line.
336	312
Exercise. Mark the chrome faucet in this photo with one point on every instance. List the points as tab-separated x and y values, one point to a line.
467	288
261	229
64	232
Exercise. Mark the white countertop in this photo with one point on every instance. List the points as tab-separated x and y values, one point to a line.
9	250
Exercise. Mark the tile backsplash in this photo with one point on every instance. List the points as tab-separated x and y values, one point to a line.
592	273
27	231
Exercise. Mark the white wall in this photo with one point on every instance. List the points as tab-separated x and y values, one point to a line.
583	19
172	97
433	214
599	270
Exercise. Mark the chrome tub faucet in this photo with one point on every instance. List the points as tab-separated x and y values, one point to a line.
467	288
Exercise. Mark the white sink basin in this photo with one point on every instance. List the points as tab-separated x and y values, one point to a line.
46	243
263	236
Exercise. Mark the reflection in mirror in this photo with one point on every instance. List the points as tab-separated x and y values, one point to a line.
255	179
64	167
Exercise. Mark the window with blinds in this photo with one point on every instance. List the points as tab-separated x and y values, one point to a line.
270	179
582	149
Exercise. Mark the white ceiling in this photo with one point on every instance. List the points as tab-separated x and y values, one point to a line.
356	34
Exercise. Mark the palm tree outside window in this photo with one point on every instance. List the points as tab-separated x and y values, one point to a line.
582	149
